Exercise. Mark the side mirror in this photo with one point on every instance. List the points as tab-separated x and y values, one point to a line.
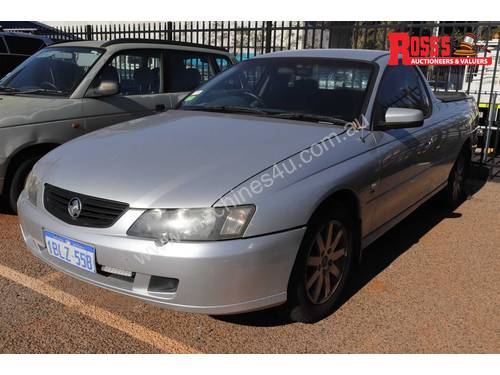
397	118
105	88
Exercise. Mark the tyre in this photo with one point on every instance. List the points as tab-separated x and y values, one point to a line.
322	266
454	193
17	181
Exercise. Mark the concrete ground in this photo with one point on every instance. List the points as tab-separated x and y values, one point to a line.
431	285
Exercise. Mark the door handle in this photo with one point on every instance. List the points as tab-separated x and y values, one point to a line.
160	108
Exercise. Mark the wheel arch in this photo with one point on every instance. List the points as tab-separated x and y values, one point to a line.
350	199
24	153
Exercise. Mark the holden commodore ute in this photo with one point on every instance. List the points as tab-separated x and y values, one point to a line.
260	189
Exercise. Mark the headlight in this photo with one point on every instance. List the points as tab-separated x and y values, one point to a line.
193	224
31	187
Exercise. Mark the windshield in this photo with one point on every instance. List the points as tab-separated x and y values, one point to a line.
300	88
52	71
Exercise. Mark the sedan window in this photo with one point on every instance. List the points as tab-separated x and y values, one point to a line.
187	70
223	62
136	72
52	71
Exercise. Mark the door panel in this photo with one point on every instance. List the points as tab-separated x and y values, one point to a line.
448	133
406	154
101	112
405	163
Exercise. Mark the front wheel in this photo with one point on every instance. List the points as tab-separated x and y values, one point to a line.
18	180
322	266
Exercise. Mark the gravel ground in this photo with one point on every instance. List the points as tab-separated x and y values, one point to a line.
430	285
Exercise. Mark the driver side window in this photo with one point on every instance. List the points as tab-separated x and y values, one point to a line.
400	88
136	72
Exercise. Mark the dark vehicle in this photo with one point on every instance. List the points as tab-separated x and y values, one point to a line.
17	47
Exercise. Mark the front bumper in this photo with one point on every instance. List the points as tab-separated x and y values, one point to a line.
220	277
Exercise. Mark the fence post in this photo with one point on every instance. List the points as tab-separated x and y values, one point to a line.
169	31
491	122
88	32
269	30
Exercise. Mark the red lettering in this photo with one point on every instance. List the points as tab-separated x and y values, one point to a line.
424	46
434	45
414	46
445	46
404	47
399	44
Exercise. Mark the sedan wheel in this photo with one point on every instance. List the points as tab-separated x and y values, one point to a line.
326	262
322	265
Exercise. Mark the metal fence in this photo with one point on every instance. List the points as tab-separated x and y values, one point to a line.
246	39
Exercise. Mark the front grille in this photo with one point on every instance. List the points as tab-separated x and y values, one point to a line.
95	212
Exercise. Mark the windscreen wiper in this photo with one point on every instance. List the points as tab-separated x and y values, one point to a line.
8	89
44	91
228	109
310	118
270	113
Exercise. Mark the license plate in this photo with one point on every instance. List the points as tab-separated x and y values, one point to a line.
70	251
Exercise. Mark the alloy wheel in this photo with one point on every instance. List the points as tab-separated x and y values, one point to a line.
326	262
